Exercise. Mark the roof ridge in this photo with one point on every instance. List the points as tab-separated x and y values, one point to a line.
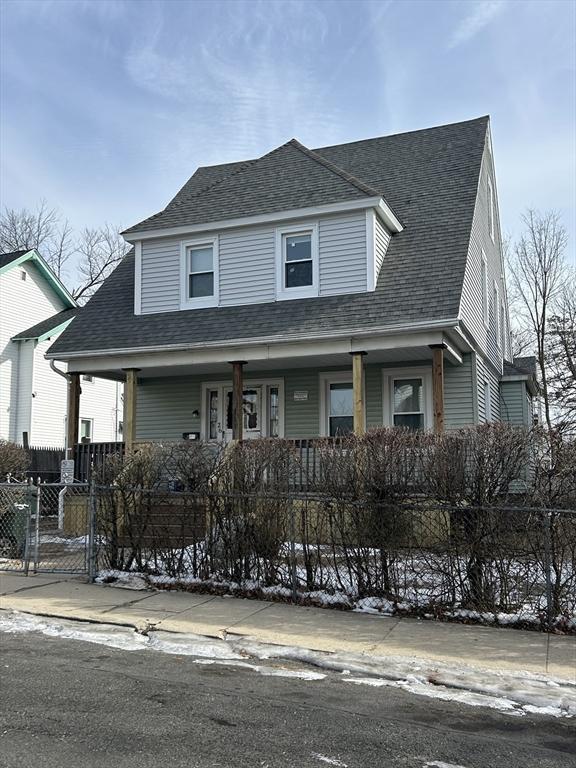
244	165
401	133
313	155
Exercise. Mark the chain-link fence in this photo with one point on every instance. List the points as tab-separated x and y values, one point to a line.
45	527
502	564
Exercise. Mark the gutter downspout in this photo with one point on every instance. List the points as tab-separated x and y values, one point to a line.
62	492
67	378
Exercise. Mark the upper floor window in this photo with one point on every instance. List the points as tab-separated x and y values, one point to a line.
484	278
200	276
297	261
87	377
490	207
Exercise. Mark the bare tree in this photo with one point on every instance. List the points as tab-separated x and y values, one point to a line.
91	255
43	229
562	354
538	270
100	251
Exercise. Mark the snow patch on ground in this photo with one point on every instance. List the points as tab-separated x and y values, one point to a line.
514	693
329	760
111	635
440	764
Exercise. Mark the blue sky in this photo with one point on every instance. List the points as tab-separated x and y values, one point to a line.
108	106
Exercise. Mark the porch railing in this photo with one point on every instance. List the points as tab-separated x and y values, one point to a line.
90	456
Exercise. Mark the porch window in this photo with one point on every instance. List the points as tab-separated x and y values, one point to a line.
408	403
85	430
273	412
297	261
341	409
408	397
213	414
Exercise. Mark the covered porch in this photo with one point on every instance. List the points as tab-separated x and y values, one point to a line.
295	390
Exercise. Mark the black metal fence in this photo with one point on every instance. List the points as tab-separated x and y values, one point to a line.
501	564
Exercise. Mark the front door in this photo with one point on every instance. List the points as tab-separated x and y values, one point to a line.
251	412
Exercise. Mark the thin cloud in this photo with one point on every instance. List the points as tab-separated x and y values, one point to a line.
483	13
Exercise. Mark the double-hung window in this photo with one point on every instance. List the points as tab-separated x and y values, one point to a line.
199	274
297	261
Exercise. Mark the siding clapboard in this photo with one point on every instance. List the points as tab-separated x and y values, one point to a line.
247	263
382	240
343	261
166	405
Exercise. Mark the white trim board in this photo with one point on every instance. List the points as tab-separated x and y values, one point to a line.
381	207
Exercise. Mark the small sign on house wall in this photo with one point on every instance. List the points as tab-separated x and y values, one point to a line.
300	395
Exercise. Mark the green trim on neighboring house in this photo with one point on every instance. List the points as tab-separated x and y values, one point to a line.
34	256
54	331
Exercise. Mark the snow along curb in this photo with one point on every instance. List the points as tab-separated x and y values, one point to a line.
513	693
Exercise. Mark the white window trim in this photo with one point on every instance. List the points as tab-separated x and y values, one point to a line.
497	310
91	421
138	278
389	375
333	377
206	301
301	292
484	288
491	214
247	383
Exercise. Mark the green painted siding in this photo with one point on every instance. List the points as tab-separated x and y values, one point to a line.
515	403
458	403
165	405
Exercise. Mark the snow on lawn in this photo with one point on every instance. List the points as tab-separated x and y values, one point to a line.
509	692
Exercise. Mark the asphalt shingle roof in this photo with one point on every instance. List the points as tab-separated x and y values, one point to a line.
521	366
8	258
291	176
47	325
429	178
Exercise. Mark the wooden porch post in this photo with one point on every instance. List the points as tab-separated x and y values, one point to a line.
73	415
438	387
237	399
129	427
358	392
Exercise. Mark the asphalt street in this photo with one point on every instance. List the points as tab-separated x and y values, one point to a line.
71	704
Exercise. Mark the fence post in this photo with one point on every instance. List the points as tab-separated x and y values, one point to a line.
37	509
28	534
92	533
293	571
547	522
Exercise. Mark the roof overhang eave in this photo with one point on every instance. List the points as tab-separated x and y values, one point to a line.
447	325
377	202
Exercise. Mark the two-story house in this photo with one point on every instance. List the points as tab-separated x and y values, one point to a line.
314	292
35	308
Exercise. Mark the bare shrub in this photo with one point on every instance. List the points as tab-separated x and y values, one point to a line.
14	461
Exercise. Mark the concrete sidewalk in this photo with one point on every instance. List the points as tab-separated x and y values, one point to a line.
314	628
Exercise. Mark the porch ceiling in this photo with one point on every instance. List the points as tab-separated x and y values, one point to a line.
340	360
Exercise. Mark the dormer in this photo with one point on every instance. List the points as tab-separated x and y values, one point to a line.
289	225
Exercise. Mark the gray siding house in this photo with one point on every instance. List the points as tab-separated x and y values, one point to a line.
311	293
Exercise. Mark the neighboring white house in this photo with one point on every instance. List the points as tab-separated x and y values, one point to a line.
35	308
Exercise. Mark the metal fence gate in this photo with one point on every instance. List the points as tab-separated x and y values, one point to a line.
46	528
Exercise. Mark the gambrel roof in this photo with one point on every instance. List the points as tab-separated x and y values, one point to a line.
428	178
